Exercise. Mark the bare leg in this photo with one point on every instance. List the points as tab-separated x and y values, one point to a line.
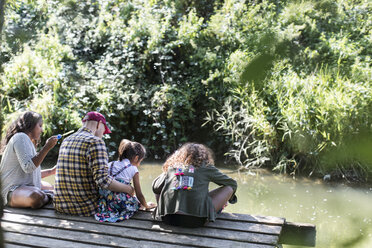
157	196
28	197
220	196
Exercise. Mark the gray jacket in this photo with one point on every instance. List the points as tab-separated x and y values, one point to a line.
187	189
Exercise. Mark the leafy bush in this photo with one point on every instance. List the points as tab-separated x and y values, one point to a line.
271	83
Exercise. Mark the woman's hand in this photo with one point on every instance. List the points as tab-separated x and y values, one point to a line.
51	142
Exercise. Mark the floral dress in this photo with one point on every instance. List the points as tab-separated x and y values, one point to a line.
116	206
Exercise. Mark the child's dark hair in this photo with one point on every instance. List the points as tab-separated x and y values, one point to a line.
130	149
190	154
24	123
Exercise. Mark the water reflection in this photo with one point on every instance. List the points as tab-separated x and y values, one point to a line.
342	214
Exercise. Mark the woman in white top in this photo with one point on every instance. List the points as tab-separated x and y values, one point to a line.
20	165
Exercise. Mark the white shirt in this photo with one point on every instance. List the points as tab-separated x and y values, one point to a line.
126	174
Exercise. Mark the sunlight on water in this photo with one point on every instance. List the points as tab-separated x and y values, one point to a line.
342	215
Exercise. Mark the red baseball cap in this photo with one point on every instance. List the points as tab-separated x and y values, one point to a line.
95	116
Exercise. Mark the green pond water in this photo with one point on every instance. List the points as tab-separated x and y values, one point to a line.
342	214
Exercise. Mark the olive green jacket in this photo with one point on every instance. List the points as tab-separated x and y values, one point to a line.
186	189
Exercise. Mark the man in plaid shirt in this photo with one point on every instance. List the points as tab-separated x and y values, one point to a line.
82	169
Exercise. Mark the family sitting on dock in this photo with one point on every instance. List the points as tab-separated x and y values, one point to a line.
87	184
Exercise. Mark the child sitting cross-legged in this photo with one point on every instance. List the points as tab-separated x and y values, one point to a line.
116	206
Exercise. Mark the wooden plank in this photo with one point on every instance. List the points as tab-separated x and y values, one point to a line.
146	216
251	218
156	234
246	226
228	227
13	239
8	245
147	221
73	238
233	224
271	220
170	230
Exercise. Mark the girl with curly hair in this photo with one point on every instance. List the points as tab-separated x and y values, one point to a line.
182	190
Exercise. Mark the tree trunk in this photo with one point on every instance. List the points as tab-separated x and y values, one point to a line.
2	7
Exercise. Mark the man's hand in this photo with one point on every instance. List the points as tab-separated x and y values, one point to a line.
116	186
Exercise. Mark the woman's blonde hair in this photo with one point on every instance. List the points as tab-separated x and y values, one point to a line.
190	154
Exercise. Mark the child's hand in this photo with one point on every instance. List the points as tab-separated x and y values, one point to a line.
150	205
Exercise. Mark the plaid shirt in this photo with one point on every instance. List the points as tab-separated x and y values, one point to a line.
81	170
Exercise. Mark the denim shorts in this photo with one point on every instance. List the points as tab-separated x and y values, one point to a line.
10	192
49	193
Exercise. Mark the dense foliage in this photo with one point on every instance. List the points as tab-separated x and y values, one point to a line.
284	84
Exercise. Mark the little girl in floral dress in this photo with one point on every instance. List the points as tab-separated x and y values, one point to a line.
116	206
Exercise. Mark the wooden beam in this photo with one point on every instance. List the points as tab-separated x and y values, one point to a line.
13	239
298	234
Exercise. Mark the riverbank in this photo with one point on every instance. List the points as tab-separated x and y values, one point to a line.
351	178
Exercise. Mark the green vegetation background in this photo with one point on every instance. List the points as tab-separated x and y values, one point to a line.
281	84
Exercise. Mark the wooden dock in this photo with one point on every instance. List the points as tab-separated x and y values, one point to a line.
46	228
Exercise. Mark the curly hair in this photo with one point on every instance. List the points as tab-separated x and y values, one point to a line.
25	123
190	154
129	149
